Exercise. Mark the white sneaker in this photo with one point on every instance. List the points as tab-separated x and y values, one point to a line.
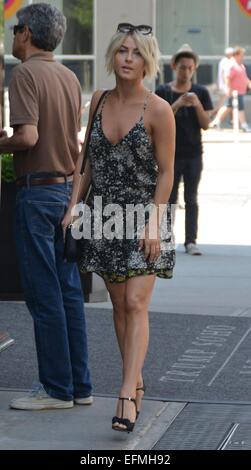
215	125
192	249
245	127
39	400
84	401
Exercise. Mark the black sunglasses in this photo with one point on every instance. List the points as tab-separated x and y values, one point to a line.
130	28
19	27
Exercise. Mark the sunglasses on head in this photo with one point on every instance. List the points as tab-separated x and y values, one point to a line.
18	27
130	28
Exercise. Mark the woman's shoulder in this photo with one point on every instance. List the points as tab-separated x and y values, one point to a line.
96	96
158	107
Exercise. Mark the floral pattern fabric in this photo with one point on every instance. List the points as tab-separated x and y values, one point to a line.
123	173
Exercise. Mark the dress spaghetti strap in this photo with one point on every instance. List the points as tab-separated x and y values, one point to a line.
145	105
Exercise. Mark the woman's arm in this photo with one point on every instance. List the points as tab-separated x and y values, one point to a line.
81	183
163	135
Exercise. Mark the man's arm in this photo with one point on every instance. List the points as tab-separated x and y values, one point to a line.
24	138
24	112
202	114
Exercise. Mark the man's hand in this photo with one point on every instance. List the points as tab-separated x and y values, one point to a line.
191	99
25	137
180	102
186	100
3	133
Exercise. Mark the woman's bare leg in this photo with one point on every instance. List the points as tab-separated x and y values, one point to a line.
137	297
220	116
117	293
242	117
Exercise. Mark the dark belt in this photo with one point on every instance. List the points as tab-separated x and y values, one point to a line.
33	181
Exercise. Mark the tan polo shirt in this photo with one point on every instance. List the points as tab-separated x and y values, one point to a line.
46	94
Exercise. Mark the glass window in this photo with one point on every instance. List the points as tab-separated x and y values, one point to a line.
240	26
79	34
205	74
200	24
78	40
84	71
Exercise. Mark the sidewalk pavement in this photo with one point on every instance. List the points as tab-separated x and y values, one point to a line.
217	283
226	135
82	427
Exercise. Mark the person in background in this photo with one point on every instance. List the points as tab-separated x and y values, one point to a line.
223	67
191	104
45	112
236	79
131	156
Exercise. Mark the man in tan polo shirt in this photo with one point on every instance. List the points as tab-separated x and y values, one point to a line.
45	110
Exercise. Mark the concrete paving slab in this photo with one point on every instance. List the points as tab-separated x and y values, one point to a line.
80	428
217	283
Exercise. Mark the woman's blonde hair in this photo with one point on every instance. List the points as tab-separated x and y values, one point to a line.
147	46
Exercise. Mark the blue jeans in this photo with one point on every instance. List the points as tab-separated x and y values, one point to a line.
229	102
190	170
52	291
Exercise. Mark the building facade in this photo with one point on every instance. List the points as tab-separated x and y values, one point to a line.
208	26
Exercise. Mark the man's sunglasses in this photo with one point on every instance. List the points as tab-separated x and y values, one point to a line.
130	28
19	27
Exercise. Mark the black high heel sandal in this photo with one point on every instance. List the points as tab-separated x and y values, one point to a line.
129	425
142	389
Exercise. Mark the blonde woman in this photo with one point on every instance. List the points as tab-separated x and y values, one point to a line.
131	157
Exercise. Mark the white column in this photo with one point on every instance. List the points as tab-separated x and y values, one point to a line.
235	115
227	22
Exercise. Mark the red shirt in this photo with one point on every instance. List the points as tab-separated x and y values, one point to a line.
238	78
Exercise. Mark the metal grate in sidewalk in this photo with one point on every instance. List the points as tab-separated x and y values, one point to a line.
209	427
239	438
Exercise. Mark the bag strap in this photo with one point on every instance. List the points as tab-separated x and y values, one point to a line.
85	156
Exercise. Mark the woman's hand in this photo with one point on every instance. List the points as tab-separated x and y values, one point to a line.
150	242
67	219
3	134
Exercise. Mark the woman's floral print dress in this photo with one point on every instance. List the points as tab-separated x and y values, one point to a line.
124	175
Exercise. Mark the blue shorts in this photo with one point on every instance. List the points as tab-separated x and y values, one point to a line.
229	104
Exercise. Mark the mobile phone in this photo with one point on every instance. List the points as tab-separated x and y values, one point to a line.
189	93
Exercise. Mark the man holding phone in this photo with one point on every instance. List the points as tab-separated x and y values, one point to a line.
191	104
